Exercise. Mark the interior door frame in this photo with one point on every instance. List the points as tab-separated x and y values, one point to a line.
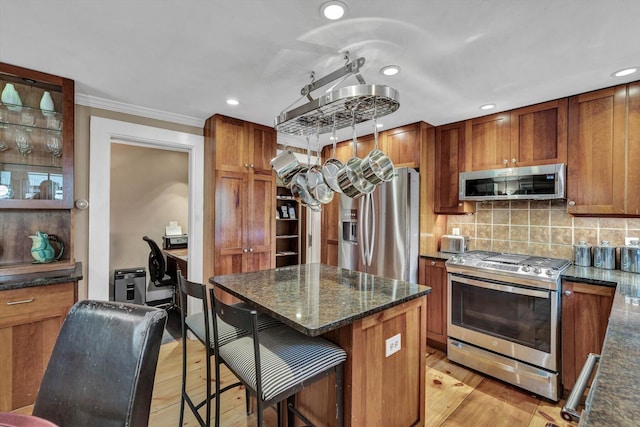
103	133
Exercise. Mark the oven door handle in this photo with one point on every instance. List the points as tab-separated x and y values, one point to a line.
501	288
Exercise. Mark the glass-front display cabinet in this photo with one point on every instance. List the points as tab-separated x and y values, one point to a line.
36	139
36	171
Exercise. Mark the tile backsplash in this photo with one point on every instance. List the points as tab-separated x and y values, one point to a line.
538	227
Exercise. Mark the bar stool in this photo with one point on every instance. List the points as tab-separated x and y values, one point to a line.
276	363
201	325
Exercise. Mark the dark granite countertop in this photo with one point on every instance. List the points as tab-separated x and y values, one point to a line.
613	400
437	255
316	298
41	279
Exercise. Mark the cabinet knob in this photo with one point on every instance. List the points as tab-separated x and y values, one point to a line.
459	204
433	263
246	165
245	250
250	249
572	203
568	293
251	166
505	161
513	161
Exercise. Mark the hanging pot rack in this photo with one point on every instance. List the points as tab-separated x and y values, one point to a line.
338	108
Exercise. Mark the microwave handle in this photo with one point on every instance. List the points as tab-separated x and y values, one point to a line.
501	288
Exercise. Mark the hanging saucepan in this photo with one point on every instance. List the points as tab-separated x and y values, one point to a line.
351	178
377	167
286	166
299	189
316	183
332	166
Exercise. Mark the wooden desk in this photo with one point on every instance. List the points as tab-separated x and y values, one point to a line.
359	312
177	259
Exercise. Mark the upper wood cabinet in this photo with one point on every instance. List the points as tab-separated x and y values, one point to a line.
529	136
402	145
539	134
585	316
449	161
252	150
36	139
602	178
488	142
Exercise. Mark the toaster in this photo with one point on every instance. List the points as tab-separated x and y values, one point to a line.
454	244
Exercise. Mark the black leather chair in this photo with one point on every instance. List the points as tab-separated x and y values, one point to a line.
158	278
103	365
275	363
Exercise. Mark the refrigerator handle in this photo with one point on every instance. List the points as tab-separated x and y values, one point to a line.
372	237
362	238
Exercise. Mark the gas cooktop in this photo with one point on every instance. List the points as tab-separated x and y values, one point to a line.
515	265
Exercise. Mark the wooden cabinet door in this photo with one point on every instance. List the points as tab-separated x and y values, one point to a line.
231	145
262	148
261	223
596	152
230	222
403	145
633	149
434	274
488	142
28	332
449	161
585	315
539	134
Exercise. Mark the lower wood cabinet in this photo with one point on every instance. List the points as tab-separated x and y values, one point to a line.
432	272
585	315
30	321
379	390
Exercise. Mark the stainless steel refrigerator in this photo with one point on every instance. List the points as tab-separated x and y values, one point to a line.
379	232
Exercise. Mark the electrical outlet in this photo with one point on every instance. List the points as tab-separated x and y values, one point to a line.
628	240
392	345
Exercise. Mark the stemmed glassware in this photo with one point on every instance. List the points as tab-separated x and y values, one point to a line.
54	145
23	145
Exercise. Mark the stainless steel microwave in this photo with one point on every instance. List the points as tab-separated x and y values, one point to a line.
533	182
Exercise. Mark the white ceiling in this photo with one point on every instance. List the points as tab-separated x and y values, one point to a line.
187	56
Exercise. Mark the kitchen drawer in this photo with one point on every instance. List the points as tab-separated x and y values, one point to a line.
29	303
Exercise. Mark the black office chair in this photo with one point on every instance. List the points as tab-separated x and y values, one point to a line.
201	325
276	363
103	365
158	278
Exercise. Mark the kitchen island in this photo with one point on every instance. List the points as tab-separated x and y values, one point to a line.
363	314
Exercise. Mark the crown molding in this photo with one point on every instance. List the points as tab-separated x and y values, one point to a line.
136	110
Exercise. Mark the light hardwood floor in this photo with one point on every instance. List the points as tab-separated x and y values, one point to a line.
455	396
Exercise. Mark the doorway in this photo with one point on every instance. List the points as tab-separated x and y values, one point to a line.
104	133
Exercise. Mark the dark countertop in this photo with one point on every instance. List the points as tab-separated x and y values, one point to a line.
613	400
42	279
437	255
316	298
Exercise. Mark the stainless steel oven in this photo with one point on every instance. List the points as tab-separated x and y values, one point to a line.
504	317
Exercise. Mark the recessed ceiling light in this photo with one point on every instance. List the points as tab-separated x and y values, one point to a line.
333	10
379	125
625	72
390	70
488	106
232	101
